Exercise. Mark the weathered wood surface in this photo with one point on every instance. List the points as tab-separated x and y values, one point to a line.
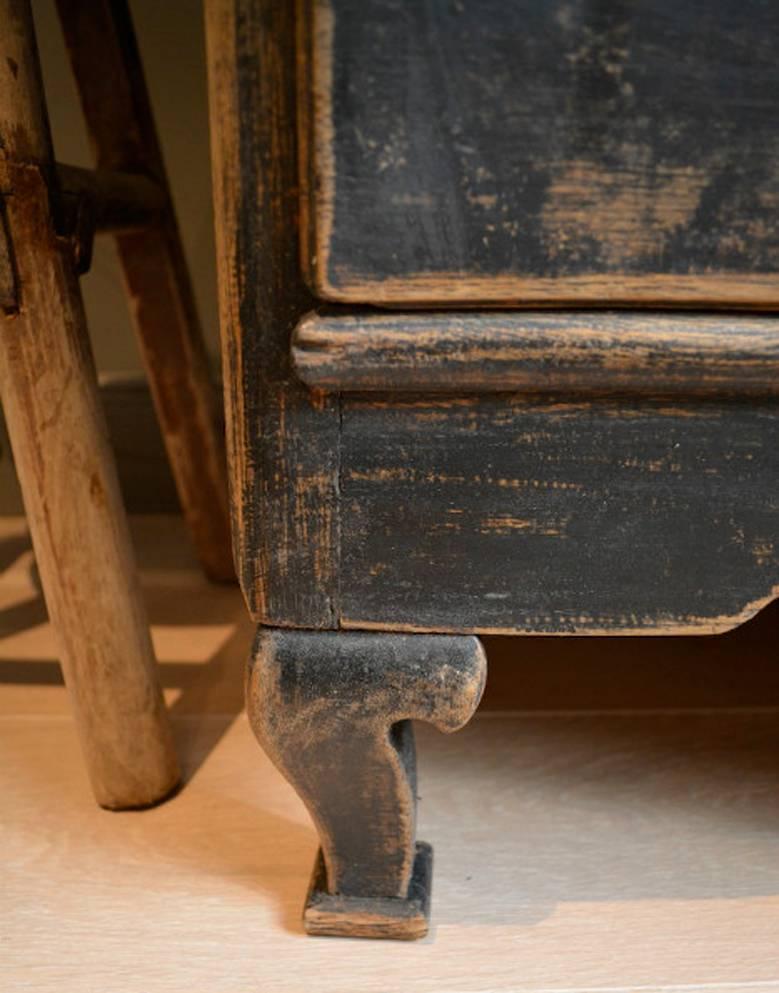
334	915
94	200
333	711
551	515
282	441
9	289
542	150
503	513
117	201
65	466
108	70
592	353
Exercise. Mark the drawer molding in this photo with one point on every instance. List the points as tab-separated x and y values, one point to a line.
591	353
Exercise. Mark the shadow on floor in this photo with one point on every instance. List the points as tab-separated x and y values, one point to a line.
213	687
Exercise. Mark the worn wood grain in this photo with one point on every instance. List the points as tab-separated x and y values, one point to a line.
282	441
335	915
117	201
9	290
557	515
65	467
542	152
681	354
108	70
356	523
88	201
333	711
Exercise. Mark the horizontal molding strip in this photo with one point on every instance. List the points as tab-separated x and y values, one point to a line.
676	354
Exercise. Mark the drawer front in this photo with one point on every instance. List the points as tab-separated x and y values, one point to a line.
517	514
583	472
477	151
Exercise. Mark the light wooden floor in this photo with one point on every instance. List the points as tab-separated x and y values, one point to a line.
619	831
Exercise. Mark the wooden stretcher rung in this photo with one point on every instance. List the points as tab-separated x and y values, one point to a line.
115	201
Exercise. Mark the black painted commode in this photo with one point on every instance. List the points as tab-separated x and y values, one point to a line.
499	291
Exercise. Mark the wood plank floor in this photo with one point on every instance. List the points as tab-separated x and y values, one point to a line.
608	822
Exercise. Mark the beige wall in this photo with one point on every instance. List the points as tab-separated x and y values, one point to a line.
170	35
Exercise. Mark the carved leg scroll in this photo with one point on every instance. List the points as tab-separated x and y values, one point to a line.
333	710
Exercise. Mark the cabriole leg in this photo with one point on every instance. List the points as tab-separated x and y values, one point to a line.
333	710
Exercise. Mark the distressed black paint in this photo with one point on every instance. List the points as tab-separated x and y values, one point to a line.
542	138
282	443
554	516
681	355
333	711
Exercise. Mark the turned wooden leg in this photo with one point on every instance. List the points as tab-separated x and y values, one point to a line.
109	74
65	465
333	710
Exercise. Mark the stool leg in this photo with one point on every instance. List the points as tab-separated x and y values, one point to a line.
109	73
333	710
65	466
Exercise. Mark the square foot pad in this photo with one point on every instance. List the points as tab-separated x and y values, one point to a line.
401	918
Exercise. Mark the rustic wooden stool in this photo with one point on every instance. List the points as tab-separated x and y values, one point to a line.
511	445
49	390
